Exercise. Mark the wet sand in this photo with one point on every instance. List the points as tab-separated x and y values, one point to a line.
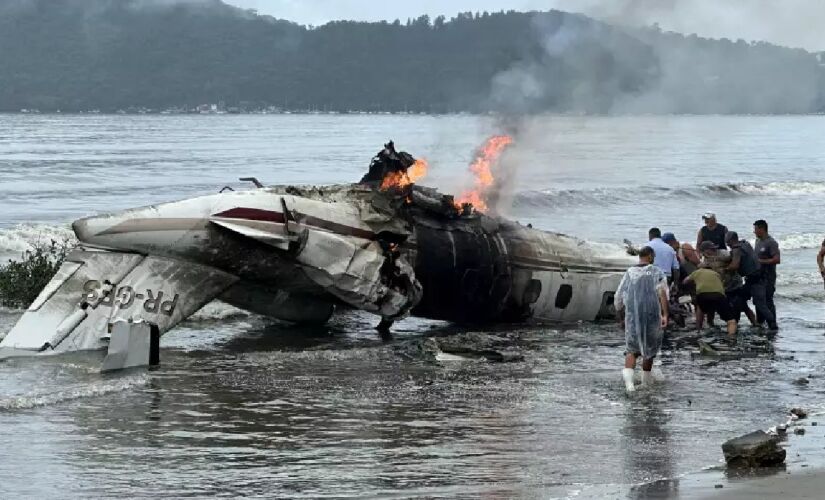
809	484
804	484
801	476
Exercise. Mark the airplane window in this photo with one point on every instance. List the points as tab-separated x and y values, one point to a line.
607	309
564	296
531	292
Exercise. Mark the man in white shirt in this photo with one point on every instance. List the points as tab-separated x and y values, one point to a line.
665	256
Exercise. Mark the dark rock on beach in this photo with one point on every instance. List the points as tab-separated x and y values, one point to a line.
757	449
420	349
498	348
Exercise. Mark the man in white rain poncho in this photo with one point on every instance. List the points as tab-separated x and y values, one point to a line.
642	296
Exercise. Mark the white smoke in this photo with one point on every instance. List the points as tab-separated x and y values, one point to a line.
580	65
790	23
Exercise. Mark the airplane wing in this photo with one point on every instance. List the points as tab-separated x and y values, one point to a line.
93	288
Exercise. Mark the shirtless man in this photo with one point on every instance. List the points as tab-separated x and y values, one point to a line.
688	256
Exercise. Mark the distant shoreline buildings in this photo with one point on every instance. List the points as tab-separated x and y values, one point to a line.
220	109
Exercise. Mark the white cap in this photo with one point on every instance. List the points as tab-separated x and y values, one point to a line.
708	215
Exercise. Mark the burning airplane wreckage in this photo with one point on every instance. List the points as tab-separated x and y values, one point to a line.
384	245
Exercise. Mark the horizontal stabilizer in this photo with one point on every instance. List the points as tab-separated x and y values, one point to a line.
94	288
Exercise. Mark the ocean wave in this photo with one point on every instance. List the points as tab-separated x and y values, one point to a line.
34	400
609	250
574	197
800	295
801	241
16	240
780	188
216	311
791	279
607	195
800	286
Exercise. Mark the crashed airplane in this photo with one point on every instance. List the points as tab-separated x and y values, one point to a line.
297	253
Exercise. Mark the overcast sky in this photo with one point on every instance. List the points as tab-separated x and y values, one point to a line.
795	23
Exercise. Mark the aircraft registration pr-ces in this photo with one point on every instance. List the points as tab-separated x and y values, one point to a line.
125	297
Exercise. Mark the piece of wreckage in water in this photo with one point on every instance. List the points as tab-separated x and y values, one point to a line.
295	253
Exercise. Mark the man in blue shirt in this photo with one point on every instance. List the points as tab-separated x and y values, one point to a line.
665	256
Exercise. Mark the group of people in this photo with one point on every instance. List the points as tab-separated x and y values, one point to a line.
719	277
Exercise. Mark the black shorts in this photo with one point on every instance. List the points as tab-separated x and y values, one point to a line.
715	303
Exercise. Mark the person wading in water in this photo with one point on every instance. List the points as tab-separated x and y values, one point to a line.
642	295
712	231
762	290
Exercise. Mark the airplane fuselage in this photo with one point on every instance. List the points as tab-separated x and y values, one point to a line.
471	269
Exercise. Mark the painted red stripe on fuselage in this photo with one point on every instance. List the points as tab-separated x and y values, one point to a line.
252	214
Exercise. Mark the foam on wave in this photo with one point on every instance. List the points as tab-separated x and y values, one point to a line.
33	400
17	239
800	241
217	310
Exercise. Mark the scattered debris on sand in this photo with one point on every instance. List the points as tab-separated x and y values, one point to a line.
715	346
496	347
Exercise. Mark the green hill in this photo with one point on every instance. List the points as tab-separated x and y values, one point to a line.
78	55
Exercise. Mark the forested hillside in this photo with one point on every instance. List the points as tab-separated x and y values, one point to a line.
76	55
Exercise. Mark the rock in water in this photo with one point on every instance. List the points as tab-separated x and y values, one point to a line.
419	349
492	347
799	412
756	449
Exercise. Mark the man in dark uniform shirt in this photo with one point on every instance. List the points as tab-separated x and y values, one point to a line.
712	231
767	252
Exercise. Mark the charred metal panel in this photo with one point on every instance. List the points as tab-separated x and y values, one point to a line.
464	273
278	303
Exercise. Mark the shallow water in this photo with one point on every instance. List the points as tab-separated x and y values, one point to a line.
245	406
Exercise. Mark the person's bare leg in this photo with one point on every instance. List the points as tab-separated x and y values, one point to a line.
700	318
750	314
647	375
732	328
630	360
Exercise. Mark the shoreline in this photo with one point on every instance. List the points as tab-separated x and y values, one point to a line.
802	476
782	483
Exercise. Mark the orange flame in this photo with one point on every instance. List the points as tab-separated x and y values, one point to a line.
401	179
486	157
